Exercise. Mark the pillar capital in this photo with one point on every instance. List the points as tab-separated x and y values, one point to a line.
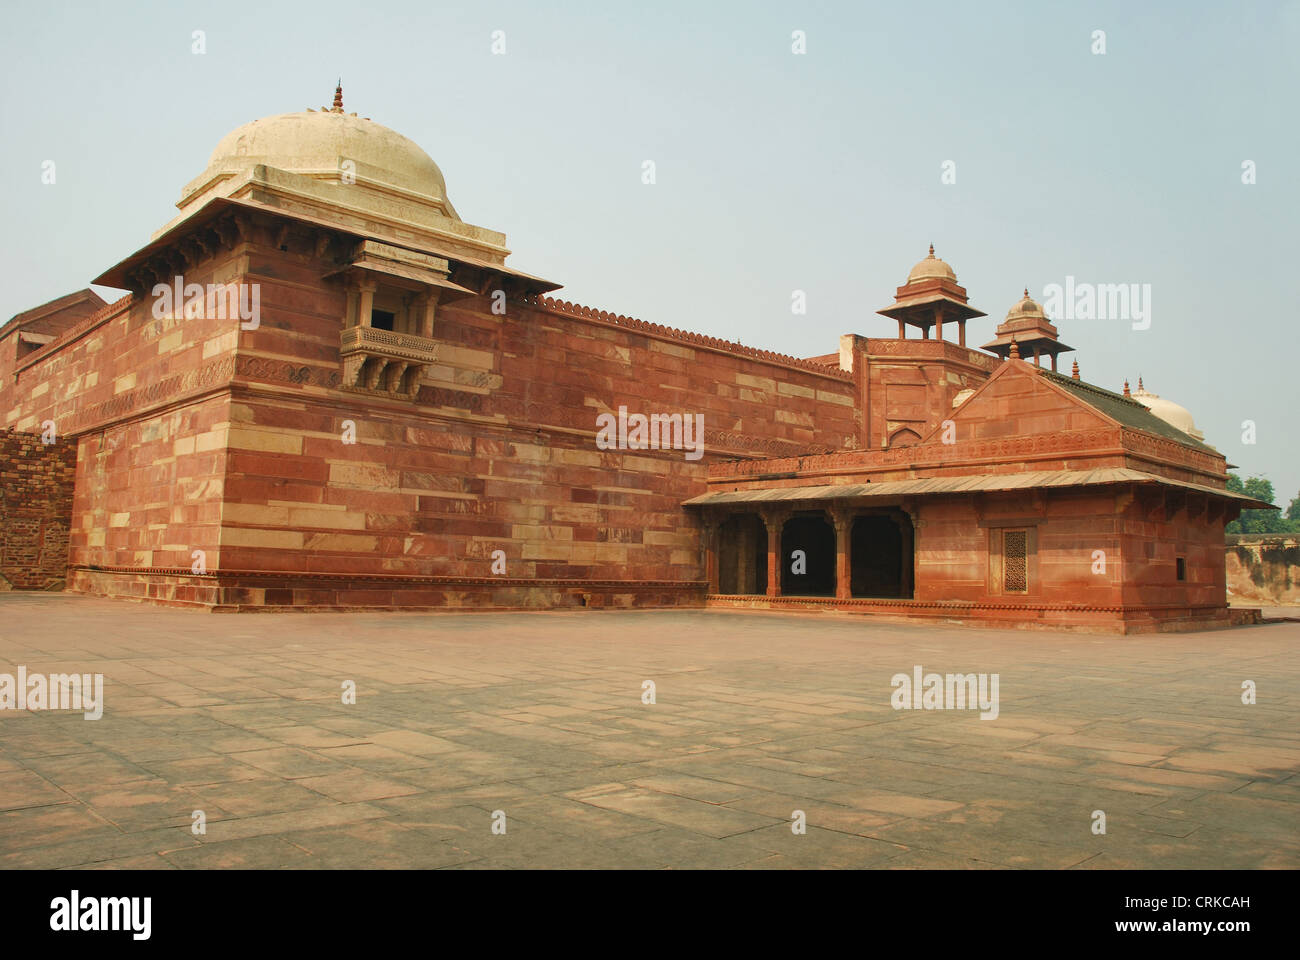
841	513
775	516
711	519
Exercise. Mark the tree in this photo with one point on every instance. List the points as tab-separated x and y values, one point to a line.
1261	521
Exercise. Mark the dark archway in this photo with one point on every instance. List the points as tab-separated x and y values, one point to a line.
881	552
742	555
905	438
815	537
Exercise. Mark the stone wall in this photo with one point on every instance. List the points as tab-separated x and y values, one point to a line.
496	453
1264	568
36	481
214	468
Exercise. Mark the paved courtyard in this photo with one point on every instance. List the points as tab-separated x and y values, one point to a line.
541	717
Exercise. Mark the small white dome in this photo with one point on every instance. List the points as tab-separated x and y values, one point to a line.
1171	413
931	268
1026	307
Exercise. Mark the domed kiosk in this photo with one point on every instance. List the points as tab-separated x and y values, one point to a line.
1027	332
930	296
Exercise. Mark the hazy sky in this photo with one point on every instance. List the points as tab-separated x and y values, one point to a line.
775	172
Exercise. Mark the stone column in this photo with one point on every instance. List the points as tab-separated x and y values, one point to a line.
710	534
938	322
367	303
902	330
961	333
842	518
775	520
351	318
404	321
424	313
908	526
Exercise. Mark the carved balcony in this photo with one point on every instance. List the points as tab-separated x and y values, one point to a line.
383	361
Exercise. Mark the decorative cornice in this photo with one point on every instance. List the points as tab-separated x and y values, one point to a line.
1173	452
106	312
933	350
933	456
733	442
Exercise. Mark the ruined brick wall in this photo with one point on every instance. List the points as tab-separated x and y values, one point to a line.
1263	568
36	484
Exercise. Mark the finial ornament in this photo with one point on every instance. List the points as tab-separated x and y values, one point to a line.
338	97
932	249
1026	293
1075	372
1126	393
1140	387
1015	349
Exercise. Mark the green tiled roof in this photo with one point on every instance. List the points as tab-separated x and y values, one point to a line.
1125	410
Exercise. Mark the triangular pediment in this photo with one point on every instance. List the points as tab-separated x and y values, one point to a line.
1019	401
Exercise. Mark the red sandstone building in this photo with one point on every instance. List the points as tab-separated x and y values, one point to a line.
398	419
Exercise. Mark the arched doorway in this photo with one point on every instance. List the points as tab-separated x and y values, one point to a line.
881	553
808	556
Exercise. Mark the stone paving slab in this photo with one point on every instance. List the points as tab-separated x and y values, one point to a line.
537	719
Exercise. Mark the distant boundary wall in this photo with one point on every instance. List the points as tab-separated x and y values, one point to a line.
1263	568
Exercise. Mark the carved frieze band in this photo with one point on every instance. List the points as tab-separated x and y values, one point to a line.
159	392
71	336
1007	448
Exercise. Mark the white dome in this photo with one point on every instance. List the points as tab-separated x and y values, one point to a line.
931	268
1171	413
318	143
1026	307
